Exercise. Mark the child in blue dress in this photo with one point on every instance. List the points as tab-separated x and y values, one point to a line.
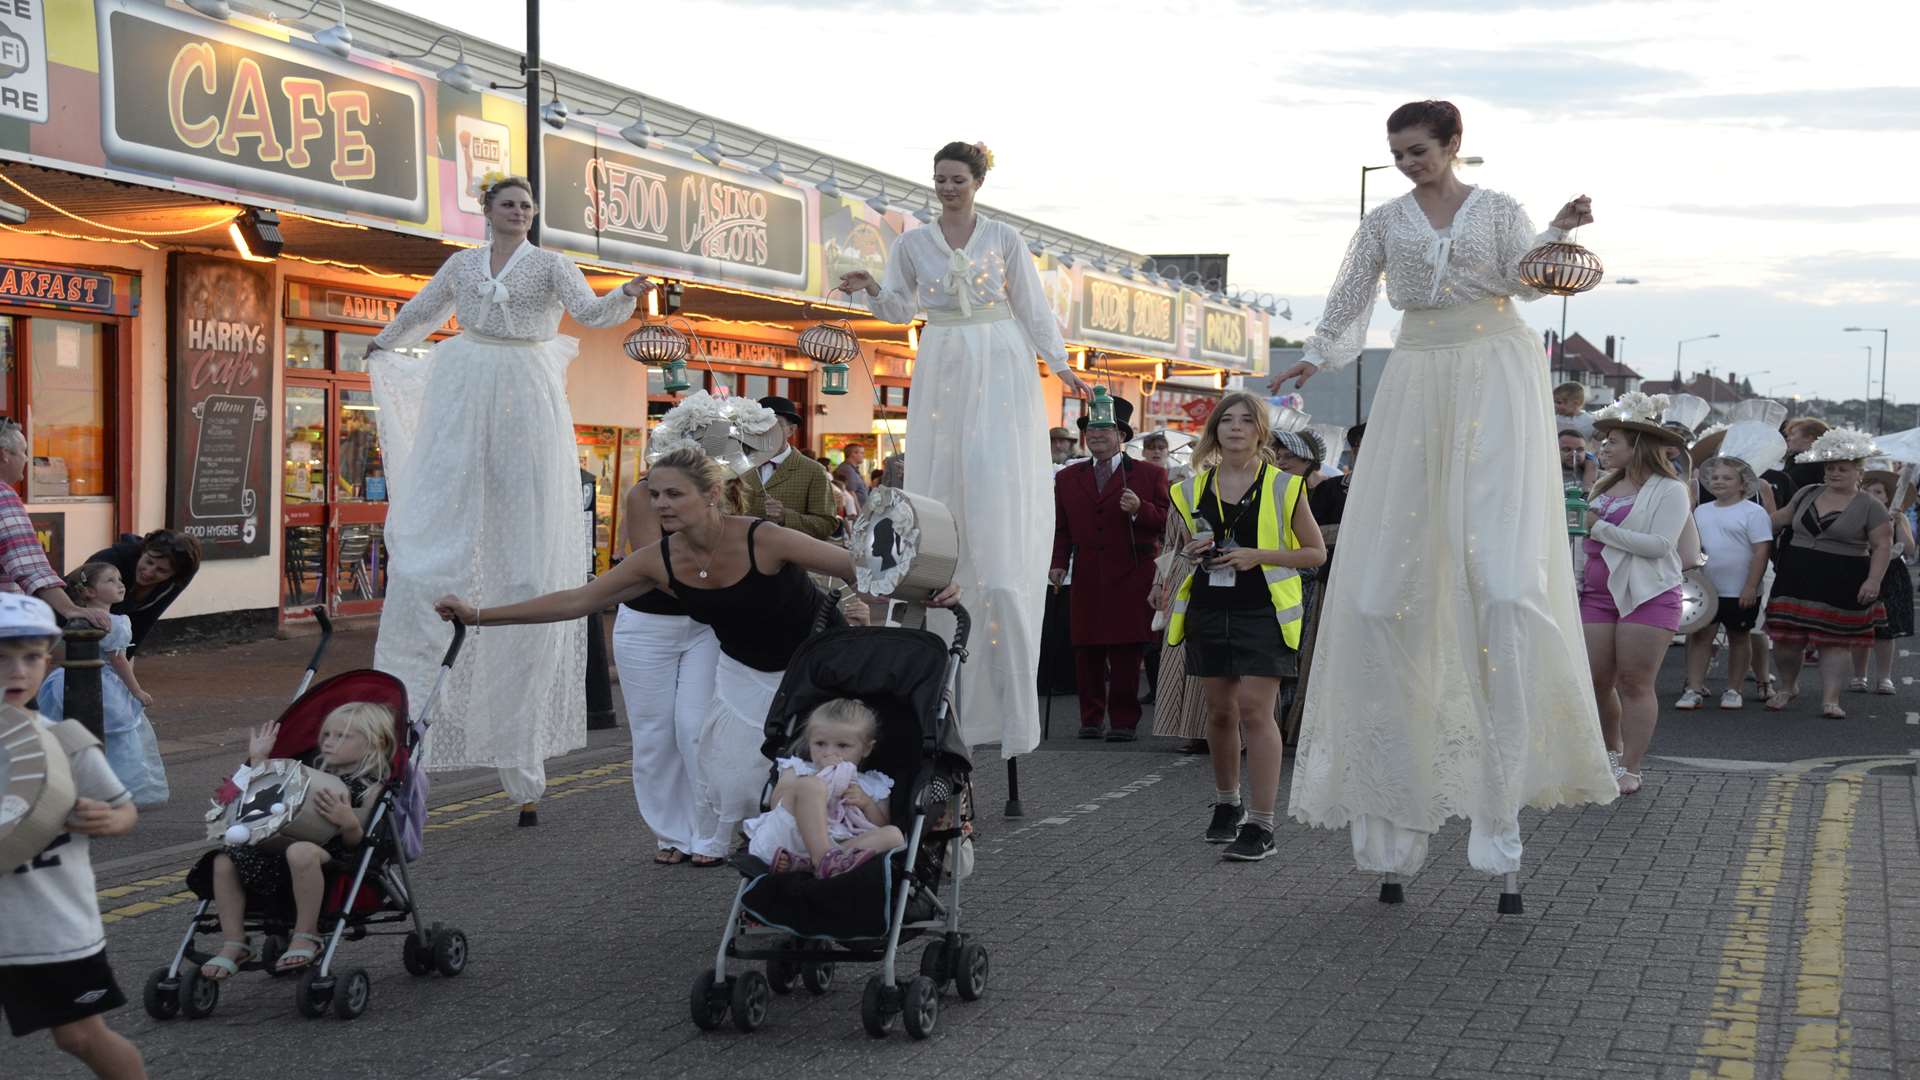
131	746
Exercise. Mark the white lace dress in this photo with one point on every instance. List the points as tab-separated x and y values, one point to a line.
978	428
484	502
1450	675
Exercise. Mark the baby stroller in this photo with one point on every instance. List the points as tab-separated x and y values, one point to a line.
374	890
803	926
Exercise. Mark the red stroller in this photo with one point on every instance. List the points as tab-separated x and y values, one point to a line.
374	890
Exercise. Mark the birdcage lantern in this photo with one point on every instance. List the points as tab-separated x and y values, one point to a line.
657	344
1100	411
1576	511
1561	269
830	344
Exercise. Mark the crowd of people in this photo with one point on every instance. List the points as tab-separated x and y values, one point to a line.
1801	533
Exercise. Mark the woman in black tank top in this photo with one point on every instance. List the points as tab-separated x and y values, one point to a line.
744	578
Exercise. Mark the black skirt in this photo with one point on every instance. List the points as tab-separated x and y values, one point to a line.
1229	643
1896	591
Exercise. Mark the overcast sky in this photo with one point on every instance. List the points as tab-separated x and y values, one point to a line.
1755	165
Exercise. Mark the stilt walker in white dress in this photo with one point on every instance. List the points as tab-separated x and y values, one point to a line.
979	432
1450	675
483	495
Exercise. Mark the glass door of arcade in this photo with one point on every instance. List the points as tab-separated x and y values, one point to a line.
333	484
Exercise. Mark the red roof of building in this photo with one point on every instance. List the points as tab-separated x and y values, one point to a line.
1580	355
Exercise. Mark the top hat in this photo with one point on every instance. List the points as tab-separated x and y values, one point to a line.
782	408
1122	415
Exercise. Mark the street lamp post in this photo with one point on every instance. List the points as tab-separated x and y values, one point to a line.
1681	345
1880	425
1867	401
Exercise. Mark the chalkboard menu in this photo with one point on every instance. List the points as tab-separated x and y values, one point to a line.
220	372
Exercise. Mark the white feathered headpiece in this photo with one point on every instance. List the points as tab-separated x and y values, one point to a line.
740	434
1842	444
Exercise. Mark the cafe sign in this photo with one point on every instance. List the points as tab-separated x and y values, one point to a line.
1224	336
1123	314
185	96
220	376
657	210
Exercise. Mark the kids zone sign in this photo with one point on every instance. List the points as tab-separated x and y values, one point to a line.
184	96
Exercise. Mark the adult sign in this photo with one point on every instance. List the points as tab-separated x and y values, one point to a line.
185	96
651	210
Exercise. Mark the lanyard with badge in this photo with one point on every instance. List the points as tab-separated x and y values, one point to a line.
1224	576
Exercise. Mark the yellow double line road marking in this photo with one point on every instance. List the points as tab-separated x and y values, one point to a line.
1819	1047
463	812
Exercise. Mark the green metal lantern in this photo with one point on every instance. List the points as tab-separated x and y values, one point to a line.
676	377
833	378
1576	511
831	345
1100	412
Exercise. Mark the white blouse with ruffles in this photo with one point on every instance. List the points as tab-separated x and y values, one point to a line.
1476	258
994	267
522	302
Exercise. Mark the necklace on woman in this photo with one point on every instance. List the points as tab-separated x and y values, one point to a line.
693	550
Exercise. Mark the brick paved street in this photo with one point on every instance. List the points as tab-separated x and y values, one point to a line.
1751	913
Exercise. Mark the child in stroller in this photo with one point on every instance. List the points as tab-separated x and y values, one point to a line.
356	744
828	814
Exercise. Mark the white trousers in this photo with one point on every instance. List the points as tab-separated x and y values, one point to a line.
525	784
731	772
666	667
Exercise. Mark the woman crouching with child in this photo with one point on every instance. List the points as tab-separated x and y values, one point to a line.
356	745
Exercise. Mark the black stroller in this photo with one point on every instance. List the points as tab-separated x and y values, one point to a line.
373	891
803	926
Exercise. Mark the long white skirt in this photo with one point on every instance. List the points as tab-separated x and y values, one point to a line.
484	503
1450	675
978	433
666	667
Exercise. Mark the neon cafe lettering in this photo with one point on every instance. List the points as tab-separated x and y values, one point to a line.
245	115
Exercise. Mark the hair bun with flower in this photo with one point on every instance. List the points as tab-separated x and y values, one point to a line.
985	153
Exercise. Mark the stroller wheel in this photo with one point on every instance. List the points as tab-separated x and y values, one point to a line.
818	978
354	991
198	995
708	1001
970	972
162	997
312	994
751	993
933	964
876	1011
417	958
450	952
781	975
921	1009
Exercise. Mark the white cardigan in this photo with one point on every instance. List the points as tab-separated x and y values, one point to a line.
1643	551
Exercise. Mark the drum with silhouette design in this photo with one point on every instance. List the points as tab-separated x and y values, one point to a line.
277	806
904	546
1699	600
36	788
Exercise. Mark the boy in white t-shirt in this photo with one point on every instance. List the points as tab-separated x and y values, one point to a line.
1737	536
53	962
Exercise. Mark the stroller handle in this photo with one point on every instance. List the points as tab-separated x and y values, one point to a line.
453	648
325	623
963	624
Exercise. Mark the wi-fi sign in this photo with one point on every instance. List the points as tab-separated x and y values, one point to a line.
13	53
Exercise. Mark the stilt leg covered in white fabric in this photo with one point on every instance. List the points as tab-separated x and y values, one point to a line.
1450	676
666	667
979	446
525	785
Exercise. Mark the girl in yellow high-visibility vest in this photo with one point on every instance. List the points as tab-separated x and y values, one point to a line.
1239	612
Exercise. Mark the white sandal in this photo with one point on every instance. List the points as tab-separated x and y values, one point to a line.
219	968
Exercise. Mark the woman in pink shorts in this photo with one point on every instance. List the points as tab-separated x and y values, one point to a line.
1630	592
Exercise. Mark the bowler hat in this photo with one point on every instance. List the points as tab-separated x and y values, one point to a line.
782	408
1062	433
1122	415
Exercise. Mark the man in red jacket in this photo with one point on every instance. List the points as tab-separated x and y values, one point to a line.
1108	514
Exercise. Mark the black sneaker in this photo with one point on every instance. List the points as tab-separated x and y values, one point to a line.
1253	844
1092	731
1226	823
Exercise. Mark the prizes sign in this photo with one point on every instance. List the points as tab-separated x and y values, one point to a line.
646	209
1130	316
1224	336
182	95
220	371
